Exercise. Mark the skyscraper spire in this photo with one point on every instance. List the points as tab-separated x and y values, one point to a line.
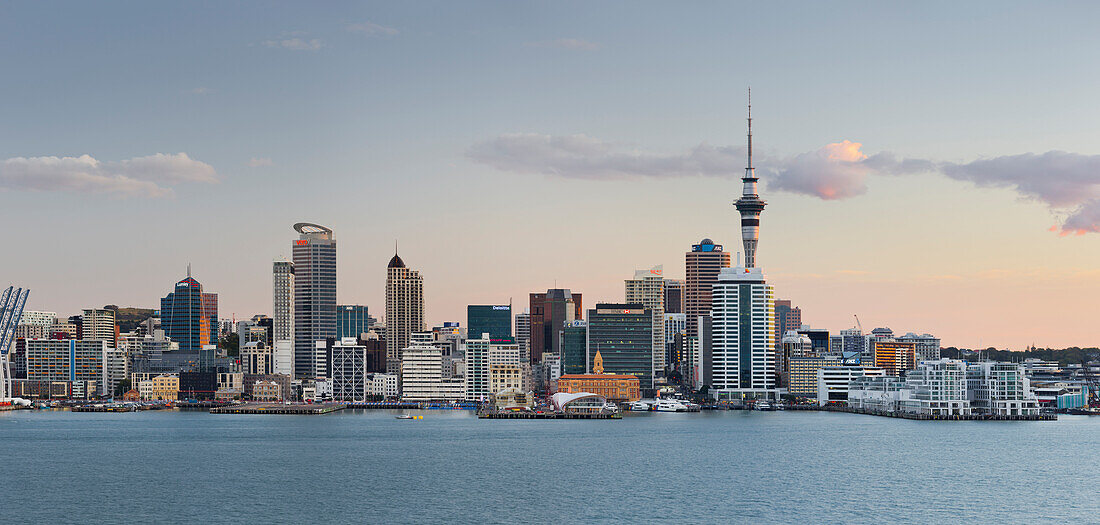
750	205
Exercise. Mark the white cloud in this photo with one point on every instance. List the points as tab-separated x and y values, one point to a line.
201	91
295	44
260	162
372	29
573	44
136	177
584	157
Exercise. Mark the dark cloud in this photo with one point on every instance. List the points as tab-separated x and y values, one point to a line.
584	157
1068	183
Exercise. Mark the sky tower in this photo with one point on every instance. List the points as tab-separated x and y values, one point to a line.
750	205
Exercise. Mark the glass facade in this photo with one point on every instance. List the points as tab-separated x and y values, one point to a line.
623	335
189	316
351	320
495	320
314	257
574	346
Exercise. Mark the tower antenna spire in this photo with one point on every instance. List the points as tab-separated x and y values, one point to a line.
750	204
750	132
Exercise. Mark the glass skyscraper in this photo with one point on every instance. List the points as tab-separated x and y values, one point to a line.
574	348
189	316
314	294
623	334
492	319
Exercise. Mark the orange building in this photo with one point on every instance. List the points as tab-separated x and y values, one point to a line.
896	357
613	387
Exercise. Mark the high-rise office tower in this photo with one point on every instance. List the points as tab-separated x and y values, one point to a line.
743	309
282	294
314	257
674	296
549	313
623	335
189	316
492	319
744	335
703	263
404	309
352	320
647	288
98	324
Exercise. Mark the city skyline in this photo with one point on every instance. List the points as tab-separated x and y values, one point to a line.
850	162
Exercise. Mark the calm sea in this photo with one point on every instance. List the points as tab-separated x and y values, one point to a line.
367	467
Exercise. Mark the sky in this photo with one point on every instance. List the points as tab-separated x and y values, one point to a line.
930	167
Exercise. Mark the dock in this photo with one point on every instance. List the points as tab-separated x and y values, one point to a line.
279	408
384	405
545	415
927	417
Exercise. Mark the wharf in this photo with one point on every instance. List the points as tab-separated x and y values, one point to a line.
202	404
279	408
103	409
927	417
390	405
545	415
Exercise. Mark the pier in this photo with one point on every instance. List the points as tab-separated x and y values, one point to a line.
545	415
928	417
279	408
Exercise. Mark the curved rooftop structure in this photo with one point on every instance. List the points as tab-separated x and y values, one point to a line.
307	228
706	241
396	262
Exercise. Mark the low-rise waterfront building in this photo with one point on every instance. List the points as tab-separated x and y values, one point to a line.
46	389
266	391
619	388
382	385
939	389
160	388
802	370
1000	389
834	383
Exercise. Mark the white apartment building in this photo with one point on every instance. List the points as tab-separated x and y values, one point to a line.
939	388
834	383
1001	389
422	376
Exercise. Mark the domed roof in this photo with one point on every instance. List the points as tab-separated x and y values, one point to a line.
707	241
396	262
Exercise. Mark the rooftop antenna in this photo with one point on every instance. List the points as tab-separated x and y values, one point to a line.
188	269
749	169
395	246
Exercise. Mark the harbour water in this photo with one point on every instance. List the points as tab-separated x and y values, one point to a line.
711	467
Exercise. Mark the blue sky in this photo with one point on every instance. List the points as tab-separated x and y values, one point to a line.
508	145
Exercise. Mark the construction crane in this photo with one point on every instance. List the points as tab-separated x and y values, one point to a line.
858	325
